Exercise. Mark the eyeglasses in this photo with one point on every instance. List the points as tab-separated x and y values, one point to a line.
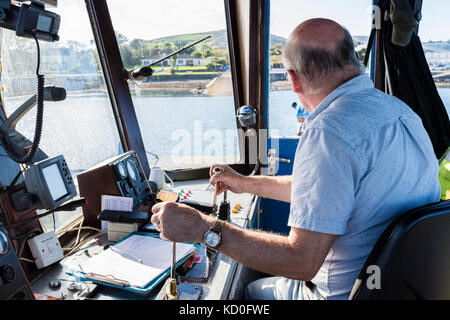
286	72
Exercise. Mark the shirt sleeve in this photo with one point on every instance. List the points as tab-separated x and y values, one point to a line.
324	182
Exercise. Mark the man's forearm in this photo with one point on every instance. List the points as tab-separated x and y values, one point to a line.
263	251
278	188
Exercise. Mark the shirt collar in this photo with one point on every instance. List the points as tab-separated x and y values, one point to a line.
353	85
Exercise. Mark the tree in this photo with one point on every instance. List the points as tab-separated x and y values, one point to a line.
362	54
274	51
137	43
168	47
155	52
196	54
75	45
211	67
127	57
173	59
222	61
121	39
208	53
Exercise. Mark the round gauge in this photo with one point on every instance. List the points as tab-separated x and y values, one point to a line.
126	188
122	170
132	171
3	243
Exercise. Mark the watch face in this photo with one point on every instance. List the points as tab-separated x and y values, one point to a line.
212	239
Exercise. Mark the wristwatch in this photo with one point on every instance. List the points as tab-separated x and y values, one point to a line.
213	236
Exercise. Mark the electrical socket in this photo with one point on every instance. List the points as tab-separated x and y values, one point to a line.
46	249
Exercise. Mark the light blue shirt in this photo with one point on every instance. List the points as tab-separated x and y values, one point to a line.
364	157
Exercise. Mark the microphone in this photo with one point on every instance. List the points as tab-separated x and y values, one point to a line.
52	93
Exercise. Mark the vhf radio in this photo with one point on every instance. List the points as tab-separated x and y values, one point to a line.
31	20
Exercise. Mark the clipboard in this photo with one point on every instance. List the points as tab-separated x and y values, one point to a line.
111	281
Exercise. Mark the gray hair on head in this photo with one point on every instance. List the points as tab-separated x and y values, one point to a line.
316	65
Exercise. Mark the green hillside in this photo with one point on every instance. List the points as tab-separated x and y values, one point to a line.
218	38
214	50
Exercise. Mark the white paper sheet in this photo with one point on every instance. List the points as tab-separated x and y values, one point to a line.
115	203
155	256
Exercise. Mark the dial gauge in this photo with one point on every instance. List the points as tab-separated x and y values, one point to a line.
132	171
122	170
3	243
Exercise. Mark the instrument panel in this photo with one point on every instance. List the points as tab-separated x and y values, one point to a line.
122	176
129	178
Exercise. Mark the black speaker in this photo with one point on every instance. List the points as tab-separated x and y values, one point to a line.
13	282
118	176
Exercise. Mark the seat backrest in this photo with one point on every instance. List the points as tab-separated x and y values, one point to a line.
412	257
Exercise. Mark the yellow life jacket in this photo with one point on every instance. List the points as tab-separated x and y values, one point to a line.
444	175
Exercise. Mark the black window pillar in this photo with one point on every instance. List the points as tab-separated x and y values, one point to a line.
116	80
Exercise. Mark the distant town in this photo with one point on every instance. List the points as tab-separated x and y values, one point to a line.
194	70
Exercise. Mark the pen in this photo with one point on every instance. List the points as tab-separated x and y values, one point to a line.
113	248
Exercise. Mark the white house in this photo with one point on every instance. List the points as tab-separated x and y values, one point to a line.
182	60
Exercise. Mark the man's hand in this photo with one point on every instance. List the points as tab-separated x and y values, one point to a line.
228	178
178	222
278	187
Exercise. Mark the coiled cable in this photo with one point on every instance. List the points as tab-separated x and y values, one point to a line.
39	117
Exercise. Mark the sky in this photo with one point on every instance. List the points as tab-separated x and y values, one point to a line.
355	16
146	19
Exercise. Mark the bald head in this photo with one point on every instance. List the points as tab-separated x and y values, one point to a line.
321	52
319	33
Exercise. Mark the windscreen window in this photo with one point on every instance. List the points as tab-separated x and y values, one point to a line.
284	114
185	110
355	15
82	127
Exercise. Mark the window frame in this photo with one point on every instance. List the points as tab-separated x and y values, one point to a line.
116	80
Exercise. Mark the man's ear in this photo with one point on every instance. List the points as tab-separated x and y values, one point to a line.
297	85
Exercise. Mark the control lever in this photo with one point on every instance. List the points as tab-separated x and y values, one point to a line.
172	292
223	213
169	291
224	209
216	170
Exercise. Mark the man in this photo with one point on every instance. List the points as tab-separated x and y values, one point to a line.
363	159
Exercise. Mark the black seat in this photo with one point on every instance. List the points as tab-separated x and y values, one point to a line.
413	256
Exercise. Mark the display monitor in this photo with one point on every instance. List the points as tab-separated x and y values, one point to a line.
51	182
54	181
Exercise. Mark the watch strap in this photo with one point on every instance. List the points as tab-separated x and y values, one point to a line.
217	226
